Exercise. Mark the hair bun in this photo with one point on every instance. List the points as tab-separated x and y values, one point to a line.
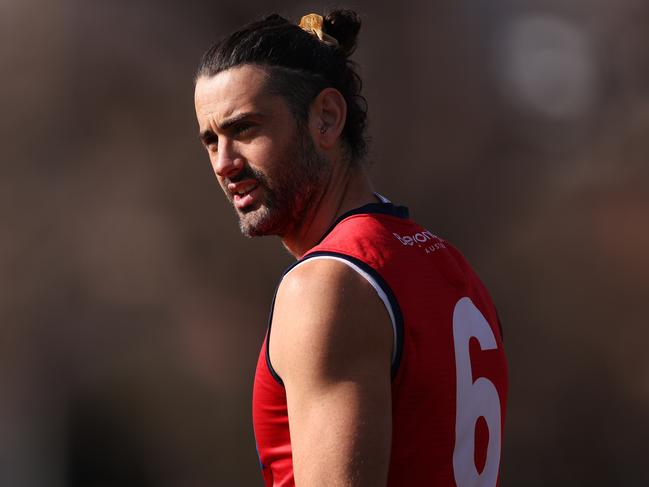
343	25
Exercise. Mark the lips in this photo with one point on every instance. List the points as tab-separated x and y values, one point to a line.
244	193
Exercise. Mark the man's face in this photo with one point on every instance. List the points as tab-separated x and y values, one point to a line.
264	161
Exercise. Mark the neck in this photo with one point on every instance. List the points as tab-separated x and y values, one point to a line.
346	189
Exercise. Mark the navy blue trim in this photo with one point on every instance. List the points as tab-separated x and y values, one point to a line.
387	208
383	208
500	327
396	309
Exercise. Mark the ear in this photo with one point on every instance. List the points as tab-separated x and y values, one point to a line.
327	118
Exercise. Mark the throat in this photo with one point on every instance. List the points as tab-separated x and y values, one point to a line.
341	194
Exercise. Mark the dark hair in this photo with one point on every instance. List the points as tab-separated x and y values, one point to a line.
300	66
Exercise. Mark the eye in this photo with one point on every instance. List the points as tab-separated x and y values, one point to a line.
210	141
241	128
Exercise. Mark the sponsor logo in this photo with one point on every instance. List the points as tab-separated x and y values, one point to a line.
425	238
417	238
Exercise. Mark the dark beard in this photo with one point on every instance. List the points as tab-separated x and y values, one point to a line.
291	191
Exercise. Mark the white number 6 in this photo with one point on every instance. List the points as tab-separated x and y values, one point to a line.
474	400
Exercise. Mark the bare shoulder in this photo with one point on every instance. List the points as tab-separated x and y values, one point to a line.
328	318
323	282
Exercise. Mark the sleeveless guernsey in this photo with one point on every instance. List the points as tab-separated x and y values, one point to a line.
449	374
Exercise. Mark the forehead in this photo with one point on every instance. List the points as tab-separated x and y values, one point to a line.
236	90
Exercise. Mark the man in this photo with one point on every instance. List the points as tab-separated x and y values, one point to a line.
383	361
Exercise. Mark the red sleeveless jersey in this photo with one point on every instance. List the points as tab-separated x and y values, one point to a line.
449	375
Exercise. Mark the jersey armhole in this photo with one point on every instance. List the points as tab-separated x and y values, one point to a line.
382	290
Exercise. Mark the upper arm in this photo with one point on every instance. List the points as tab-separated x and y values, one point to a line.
331	345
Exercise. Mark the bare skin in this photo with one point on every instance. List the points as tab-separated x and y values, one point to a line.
331	334
331	345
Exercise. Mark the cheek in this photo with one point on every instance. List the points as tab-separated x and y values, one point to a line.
264	151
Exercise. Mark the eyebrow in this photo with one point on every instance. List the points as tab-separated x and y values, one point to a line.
208	135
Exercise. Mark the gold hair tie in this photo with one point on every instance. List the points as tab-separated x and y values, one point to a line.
312	24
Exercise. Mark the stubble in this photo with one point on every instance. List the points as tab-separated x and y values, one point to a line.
290	190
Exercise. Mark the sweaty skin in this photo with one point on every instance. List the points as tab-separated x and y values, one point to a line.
331	335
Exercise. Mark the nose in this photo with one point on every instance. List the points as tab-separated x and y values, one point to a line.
226	162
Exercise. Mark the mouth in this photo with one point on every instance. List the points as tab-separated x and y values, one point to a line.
244	193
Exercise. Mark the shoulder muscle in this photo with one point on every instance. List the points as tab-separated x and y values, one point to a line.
331	344
328	318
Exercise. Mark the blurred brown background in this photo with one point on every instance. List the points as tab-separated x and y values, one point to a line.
132	310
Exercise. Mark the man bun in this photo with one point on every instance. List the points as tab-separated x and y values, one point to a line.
343	25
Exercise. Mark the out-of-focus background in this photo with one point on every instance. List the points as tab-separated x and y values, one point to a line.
132	311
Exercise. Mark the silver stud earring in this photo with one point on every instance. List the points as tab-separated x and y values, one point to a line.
323	129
